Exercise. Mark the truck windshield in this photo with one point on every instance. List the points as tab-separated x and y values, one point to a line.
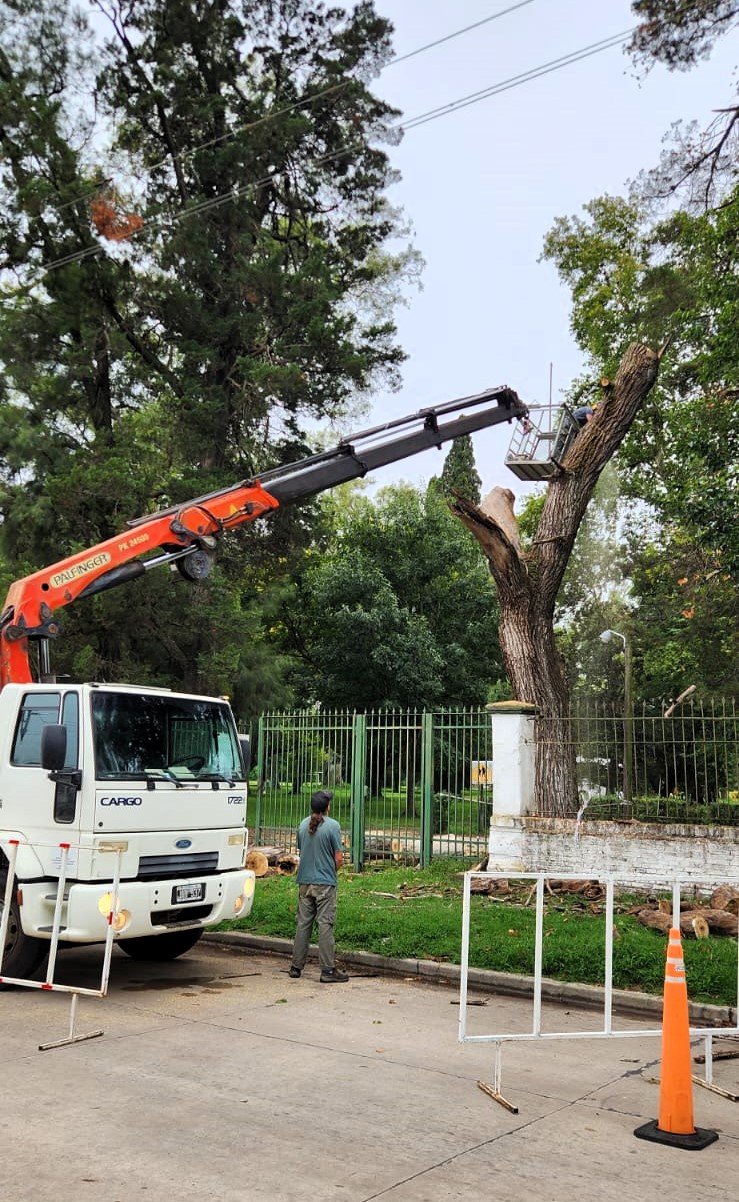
140	735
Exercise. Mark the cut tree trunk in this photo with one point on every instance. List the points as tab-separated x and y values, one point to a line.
725	897
257	862
592	890
718	922
381	847
272	853
528	578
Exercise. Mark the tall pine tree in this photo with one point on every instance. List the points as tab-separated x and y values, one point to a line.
187	286
459	473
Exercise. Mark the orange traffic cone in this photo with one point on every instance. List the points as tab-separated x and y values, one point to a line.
675	1123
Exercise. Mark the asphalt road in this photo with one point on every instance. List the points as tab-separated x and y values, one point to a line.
218	1077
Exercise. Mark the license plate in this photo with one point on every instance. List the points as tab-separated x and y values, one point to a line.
188	892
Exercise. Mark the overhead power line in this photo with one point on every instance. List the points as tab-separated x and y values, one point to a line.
340	86
515	81
401	58
422	119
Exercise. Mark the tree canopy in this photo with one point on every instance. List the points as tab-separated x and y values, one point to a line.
459	472
678	34
660	266
400	612
198	268
195	269
673	282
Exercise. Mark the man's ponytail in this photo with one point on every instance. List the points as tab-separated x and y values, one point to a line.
319	804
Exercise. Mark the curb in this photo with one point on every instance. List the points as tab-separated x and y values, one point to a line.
591	997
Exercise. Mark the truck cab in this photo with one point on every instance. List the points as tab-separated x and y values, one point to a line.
153	776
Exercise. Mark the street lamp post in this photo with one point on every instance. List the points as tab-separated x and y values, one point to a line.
606	637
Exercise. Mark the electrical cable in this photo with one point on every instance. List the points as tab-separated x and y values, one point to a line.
401	58
516	80
305	102
402	126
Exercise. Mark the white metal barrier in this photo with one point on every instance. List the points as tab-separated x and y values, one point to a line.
10	847
607	1031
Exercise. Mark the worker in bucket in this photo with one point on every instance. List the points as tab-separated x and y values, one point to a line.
584	414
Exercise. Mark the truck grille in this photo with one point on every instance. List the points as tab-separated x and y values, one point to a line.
196	863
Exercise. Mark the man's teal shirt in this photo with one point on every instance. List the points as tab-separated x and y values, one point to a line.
317	852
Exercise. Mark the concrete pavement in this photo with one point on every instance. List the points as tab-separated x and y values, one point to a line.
220	1078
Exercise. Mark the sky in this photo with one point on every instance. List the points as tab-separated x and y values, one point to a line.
482	186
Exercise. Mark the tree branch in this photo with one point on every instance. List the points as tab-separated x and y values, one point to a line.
569	494
494	525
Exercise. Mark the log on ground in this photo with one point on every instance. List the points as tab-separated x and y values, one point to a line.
287	864
257	862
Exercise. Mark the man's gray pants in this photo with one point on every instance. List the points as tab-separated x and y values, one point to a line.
316	904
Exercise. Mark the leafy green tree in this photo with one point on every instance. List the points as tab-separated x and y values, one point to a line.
398	612
667	593
363	648
57	342
637	284
265	209
683	623
671	280
194	269
678	34
674	282
670	276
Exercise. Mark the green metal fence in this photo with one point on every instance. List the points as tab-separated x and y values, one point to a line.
412	784
684	763
407	784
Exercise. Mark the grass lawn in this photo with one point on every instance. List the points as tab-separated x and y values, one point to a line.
417	914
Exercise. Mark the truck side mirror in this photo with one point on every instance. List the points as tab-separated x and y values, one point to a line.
245	745
53	747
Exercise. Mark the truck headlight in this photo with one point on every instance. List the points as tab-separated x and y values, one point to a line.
121	918
247	892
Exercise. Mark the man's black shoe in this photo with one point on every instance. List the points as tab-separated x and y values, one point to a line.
294	972
331	975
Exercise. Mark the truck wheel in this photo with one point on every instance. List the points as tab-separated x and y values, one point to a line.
160	947
23	954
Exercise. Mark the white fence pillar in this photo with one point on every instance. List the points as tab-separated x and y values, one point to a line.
513	781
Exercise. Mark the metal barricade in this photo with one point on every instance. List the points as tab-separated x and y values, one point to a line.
10	847
498	1038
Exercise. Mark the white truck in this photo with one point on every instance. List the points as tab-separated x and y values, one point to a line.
156	779
156	776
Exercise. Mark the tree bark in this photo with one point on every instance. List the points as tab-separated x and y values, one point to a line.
528	579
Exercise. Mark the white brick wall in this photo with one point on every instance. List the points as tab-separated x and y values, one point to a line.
520	841
704	856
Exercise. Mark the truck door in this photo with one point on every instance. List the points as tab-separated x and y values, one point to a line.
46	810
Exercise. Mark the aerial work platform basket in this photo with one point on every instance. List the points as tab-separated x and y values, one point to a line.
540	443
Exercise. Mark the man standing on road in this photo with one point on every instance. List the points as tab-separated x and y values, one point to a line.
319	844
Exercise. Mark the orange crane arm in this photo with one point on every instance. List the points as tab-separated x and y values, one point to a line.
179	534
187	534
